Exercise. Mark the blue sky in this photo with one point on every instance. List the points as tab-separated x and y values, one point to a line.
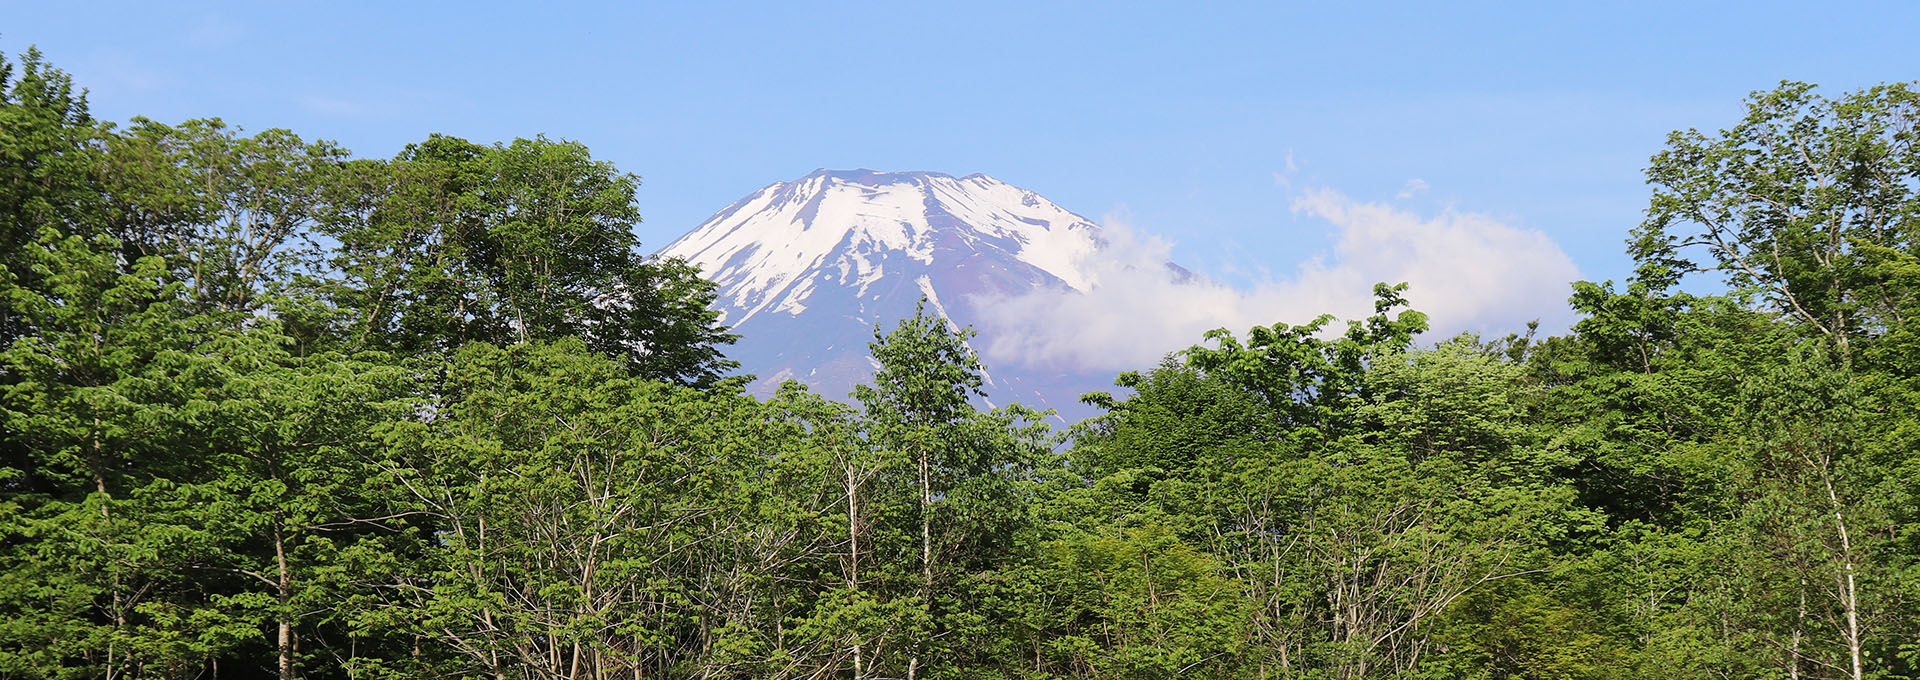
1202	123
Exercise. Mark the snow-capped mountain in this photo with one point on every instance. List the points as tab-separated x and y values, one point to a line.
806	268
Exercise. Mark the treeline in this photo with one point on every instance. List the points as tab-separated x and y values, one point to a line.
269	409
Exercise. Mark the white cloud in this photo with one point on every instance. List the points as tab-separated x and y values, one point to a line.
1284	178
1414	186
1466	271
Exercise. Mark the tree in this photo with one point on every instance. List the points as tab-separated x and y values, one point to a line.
235	216
1368	490
1310	383
458	242
1805	201
588	524
850	618
1824	514
968	469
49	149
290	482
93	415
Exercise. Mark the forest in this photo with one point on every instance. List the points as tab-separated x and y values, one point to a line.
270	409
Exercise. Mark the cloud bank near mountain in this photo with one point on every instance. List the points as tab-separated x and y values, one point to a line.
1467	271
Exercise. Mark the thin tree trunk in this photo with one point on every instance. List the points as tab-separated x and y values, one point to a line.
97	463
285	597
1851	595
1799	623
926	551
853	562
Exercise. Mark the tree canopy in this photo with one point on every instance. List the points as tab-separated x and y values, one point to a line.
271	409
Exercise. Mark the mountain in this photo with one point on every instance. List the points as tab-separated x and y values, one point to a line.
805	269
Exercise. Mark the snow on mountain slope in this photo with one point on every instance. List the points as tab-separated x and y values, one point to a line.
763	248
805	269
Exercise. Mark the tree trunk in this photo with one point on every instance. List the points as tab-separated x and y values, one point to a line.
1799	623
926	552
285	596
1849	595
97	463
853	561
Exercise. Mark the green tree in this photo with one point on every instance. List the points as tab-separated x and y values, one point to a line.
969	471
1822	516
93	412
49	151
1804	201
588	523
457	242
1311	384
235	216
1353	489
290	482
853	620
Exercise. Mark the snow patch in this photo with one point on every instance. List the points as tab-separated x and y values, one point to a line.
933	298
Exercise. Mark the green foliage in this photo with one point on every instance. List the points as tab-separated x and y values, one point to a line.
1310	382
1133	603
456	242
943	550
568	498
269	410
49	146
234	216
1807	201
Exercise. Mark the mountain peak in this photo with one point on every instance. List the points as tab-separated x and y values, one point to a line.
767	250
860	247
871	177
